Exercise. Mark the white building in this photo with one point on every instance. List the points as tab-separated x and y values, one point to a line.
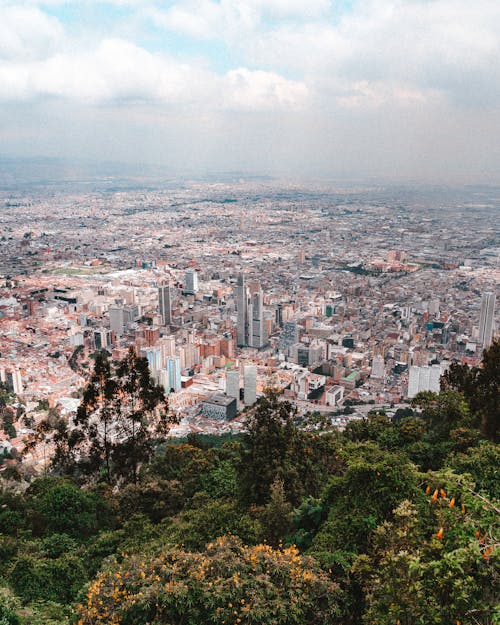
191	282
334	394
424	379
233	384
250	384
487	319
378	368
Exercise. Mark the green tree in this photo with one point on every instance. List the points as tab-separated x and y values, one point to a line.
274	448
481	388
226	583
276	517
122	416
141	410
96	416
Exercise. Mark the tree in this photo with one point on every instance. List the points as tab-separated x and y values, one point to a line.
227	582
141	409
8	422
267	454
481	388
442	411
122	415
96	417
276	517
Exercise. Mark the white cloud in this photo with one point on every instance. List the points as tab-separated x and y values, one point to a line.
257	90
27	33
119	72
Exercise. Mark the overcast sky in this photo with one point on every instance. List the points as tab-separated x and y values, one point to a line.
405	89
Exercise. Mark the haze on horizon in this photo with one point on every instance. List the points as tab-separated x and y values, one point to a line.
403	89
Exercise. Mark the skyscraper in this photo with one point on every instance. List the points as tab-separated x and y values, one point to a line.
486	319
242	311
251	326
117	320
165	304
233	383
250	384
191	282
173	366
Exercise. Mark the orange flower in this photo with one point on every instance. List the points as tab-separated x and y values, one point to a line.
463	508
434	496
442	493
452	502
440	534
487	553
428	489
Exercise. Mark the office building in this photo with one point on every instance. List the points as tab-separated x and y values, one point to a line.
173	367
191	282
117	320
487	319
249	384
165	304
334	394
378	368
233	383
219	407
424	379
289	337
14	381
251	326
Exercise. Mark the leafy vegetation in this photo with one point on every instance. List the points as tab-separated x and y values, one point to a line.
391	521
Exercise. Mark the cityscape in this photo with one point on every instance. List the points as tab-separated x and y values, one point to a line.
249	312
345	298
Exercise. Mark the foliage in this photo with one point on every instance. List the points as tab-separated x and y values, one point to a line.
480	386
226	583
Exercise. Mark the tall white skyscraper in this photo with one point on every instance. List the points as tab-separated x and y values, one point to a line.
249	384
487	319
165	304
233	383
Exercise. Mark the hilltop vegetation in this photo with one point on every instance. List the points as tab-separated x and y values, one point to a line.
390	522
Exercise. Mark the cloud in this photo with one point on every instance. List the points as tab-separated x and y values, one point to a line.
118	71
27	33
257	90
450	46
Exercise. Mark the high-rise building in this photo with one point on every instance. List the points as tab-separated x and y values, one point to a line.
233	383
100	338
14	381
191	282
242	312
424	379
249	384
165	304
251	325
487	319
154	358
289	336
378	367
173	366
117	320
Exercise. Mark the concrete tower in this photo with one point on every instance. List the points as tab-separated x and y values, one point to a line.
486	319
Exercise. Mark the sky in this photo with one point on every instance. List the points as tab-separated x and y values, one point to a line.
393	89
